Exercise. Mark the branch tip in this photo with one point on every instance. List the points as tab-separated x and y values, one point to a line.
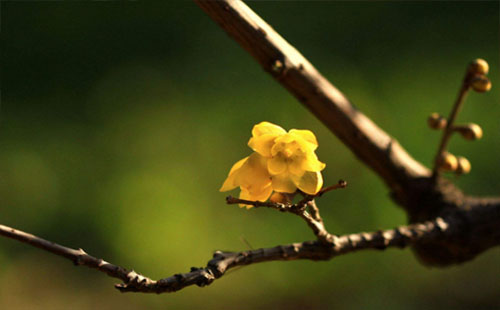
340	184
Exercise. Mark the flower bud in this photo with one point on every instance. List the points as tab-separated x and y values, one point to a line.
479	66
436	121
463	166
470	131
480	84
448	162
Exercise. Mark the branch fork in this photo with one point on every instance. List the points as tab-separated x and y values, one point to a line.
447	227
475	78
305	209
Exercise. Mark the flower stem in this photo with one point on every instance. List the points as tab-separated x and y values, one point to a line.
448	131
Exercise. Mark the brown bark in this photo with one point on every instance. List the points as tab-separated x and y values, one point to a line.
223	261
411	184
447	226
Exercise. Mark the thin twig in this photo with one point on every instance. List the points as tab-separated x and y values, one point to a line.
307	198
230	200
314	210
449	129
470	227
340	184
78	257
223	261
313	220
409	182
246	242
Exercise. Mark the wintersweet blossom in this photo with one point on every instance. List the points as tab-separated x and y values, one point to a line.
282	162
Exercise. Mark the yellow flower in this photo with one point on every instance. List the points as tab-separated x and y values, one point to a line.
251	175
282	161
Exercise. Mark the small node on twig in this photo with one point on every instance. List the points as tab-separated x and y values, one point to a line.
463	166
478	66
277	66
448	162
480	84
436	121
218	254
470	131
340	184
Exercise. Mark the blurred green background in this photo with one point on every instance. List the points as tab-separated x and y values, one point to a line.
120	121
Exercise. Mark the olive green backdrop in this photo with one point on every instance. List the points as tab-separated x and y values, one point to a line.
120	121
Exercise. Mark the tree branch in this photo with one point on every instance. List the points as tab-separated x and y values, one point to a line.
313	219
451	227
411	184
370	143
78	257
221	262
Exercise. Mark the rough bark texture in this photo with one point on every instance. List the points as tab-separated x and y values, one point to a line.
400	237
447	227
411	184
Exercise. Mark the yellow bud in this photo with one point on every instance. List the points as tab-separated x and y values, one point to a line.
479	66
280	198
470	131
436	121
463	166
448	162
480	84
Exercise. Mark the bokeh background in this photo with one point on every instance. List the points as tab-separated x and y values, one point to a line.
120	121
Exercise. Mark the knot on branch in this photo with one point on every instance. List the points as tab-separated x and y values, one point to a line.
218	265
136	283
206	277
80	257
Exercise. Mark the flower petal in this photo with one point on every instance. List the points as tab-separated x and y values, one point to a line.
295	166
267	128
229	182
280	198
283	183
262	196
311	162
262	144
307	136
253	175
288	144
286	138
276	165
245	194
310	183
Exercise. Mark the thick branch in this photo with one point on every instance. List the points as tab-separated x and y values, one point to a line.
454	228
423	197
370	143
222	261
